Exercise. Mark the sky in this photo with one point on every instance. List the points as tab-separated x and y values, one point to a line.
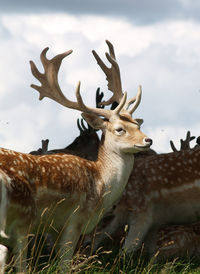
157	45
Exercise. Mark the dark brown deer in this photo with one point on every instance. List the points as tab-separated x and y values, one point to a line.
67	192
86	145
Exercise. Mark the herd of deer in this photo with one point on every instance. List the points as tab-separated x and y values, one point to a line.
70	190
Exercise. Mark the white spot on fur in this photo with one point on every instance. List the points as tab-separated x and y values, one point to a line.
20	173
21	158
89	164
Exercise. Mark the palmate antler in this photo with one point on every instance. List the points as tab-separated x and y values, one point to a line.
184	144
50	86
112	74
114	81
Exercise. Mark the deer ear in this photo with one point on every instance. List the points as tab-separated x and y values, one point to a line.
94	121
140	121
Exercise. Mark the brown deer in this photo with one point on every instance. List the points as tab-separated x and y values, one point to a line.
67	192
161	198
179	240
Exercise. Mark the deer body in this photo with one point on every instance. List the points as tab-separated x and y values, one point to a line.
86	188
166	192
178	241
162	194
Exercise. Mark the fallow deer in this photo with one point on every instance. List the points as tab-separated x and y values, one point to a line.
68	192
160	204
179	240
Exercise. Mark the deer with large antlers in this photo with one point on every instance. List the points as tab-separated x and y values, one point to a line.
160	205
68	192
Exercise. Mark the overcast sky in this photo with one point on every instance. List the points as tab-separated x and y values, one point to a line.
157	45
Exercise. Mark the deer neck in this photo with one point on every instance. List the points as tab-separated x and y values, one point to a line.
115	168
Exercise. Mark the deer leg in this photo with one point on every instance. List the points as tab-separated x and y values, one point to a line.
111	227
20	254
137	231
68	242
150	241
3	257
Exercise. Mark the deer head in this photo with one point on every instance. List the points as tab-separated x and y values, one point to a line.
116	120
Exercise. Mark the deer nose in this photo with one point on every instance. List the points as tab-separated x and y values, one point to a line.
148	141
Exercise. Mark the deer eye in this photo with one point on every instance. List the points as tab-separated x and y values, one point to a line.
120	131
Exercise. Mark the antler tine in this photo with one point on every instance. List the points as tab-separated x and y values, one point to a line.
198	141
99	97
83	125
185	144
49	80
173	146
121	104
45	144
112	75
135	100
51	89
79	126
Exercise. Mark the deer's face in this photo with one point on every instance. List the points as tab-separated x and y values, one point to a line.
123	134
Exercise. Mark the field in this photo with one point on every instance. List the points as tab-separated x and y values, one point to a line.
107	261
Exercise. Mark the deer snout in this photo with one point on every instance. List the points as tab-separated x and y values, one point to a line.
147	141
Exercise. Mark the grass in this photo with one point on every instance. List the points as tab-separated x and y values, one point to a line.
107	263
111	262
44	260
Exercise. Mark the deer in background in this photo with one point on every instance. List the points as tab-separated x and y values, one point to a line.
160	204
74	191
179	240
86	145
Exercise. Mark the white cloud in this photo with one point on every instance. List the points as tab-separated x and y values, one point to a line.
163	57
